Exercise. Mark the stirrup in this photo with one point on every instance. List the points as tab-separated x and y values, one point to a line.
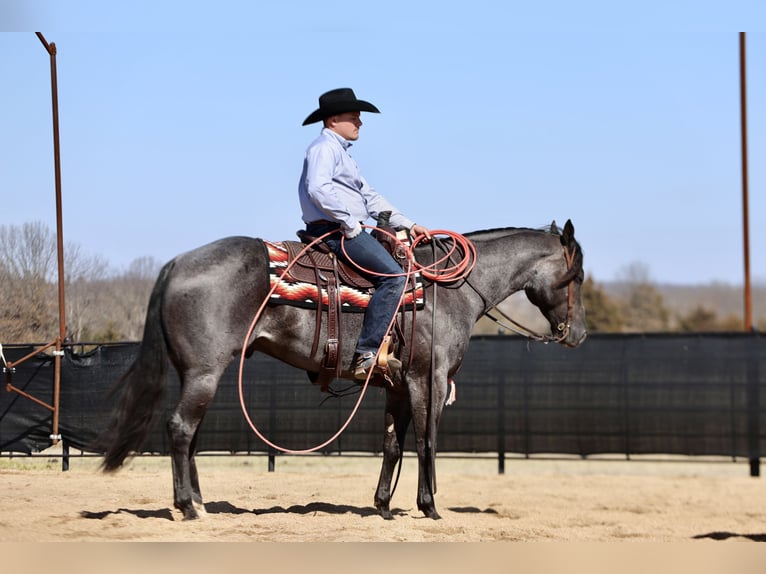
387	360
363	364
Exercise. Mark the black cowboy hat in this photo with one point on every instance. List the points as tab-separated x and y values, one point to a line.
337	102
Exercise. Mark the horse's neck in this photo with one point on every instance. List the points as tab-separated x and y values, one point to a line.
506	263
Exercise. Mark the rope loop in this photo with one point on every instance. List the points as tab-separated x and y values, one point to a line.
461	247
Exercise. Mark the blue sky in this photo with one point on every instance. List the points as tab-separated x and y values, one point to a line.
181	125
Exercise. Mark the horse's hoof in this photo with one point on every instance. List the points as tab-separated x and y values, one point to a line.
385	510
189	512
430	513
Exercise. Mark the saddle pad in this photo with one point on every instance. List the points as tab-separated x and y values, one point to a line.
289	291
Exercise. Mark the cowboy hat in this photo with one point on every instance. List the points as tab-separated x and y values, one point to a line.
337	102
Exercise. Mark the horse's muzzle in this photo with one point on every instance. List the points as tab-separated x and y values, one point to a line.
573	342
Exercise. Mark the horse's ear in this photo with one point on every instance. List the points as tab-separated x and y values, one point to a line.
567	238
554	227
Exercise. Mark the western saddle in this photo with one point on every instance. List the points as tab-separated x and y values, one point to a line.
319	266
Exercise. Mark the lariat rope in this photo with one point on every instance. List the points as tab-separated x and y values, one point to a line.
456	272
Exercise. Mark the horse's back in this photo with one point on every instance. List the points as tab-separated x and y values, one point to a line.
227	248
236	257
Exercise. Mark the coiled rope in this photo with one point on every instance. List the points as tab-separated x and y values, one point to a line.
458	268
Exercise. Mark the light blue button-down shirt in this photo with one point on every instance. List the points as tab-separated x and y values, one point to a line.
331	187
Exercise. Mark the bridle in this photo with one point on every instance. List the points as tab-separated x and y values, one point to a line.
562	328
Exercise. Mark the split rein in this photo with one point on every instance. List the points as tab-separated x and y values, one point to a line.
442	270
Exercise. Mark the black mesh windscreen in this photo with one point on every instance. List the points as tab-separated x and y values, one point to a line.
626	394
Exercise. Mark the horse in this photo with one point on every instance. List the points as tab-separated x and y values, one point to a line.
204	300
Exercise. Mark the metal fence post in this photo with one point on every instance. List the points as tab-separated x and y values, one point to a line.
753	408
501	423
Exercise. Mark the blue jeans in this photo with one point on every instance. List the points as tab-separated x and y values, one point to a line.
367	252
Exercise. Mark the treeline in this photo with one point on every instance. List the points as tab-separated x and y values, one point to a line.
640	308
635	304
103	305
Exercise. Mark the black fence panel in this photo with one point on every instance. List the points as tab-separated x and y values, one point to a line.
24	425
624	394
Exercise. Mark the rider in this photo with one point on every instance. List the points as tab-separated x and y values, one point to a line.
335	197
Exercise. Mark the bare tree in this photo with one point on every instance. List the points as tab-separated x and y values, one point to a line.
113	306
81	271
29	250
28	306
130	296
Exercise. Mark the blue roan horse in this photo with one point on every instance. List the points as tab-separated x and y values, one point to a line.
204	301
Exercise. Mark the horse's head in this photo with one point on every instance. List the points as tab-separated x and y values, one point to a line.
556	288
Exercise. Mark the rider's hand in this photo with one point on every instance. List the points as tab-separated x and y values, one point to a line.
416	230
351	233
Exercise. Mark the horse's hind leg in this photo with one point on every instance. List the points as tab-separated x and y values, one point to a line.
397	421
183	424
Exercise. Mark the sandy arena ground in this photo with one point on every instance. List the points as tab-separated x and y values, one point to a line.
564	516
330	499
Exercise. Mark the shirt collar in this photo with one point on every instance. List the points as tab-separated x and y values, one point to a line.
339	138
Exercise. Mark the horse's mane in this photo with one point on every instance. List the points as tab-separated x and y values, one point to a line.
490	234
505	231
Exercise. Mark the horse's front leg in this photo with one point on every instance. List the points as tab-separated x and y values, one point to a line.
427	402
397	420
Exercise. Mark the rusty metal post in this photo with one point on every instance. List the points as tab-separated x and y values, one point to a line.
59	342
745	209
51	49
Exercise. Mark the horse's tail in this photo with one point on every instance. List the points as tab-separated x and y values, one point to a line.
140	388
